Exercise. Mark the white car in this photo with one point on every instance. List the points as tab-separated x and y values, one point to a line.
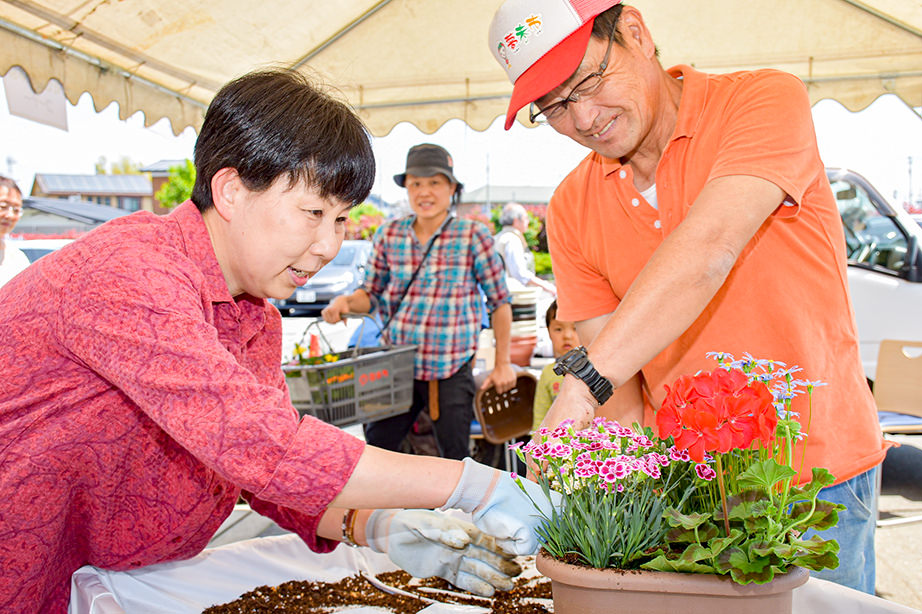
884	265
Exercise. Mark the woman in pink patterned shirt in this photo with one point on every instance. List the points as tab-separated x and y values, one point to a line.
142	389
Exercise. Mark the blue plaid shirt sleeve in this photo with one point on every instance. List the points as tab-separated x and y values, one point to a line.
489	270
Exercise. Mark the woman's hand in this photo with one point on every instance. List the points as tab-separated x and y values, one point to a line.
509	510
427	543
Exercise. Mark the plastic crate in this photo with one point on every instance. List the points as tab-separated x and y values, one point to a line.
361	385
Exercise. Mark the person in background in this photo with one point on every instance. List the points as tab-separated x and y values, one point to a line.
563	339
143	396
513	249
701	221
12	259
425	275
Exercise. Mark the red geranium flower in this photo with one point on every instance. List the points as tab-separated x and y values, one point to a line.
715	412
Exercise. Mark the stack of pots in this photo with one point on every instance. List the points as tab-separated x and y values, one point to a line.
524	323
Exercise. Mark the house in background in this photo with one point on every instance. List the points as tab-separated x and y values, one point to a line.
126	192
159	173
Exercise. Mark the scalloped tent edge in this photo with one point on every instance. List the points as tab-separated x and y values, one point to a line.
427	61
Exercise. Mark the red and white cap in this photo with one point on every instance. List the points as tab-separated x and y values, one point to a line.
540	43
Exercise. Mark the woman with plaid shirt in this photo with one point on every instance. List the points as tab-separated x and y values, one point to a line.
438	308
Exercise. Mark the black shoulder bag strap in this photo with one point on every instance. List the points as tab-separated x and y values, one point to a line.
415	273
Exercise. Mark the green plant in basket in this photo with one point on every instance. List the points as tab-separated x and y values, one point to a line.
326	384
301	356
728	446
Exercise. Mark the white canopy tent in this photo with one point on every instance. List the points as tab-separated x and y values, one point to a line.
427	61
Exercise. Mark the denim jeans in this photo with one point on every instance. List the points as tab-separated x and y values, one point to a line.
854	531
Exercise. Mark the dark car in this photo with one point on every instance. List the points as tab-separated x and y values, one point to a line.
342	275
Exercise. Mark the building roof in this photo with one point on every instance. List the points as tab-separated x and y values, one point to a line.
161	166
501	194
96	185
77	210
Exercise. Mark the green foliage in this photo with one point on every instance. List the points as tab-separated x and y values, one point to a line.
364	220
363	209
178	187
765	531
494	219
543	264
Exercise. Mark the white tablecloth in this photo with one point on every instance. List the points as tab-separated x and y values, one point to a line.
220	575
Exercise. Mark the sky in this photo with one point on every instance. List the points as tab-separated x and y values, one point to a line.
882	142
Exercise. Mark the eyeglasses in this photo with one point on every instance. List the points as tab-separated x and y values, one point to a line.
13	208
583	90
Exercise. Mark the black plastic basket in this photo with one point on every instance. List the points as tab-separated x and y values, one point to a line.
354	386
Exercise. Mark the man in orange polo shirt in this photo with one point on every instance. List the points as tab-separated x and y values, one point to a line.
702	221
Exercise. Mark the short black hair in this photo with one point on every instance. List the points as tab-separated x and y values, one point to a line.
273	122
551	313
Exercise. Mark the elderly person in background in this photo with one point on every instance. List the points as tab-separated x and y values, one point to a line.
513	249
12	260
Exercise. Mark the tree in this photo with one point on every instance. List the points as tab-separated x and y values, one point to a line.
178	187
123	166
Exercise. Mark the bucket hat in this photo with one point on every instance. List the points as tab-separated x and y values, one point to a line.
427	160
540	43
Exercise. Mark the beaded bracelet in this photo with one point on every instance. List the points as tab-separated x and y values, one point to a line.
349	528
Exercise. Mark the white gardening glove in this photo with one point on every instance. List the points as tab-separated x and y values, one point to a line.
499	506
427	543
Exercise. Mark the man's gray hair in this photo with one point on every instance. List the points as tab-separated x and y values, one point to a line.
512	212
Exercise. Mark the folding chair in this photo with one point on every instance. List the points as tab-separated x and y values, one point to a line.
898	393
506	416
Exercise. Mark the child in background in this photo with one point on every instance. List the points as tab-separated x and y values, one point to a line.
563	338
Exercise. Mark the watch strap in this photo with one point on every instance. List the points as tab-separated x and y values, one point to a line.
576	362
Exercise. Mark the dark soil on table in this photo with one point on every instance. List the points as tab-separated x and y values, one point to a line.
301	597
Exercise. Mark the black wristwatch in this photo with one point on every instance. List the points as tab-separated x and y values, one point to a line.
576	362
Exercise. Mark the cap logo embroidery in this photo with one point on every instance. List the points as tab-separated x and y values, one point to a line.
519	36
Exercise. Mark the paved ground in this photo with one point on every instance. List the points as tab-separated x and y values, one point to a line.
899	546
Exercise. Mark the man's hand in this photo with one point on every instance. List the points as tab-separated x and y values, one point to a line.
427	543
502	377
574	402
